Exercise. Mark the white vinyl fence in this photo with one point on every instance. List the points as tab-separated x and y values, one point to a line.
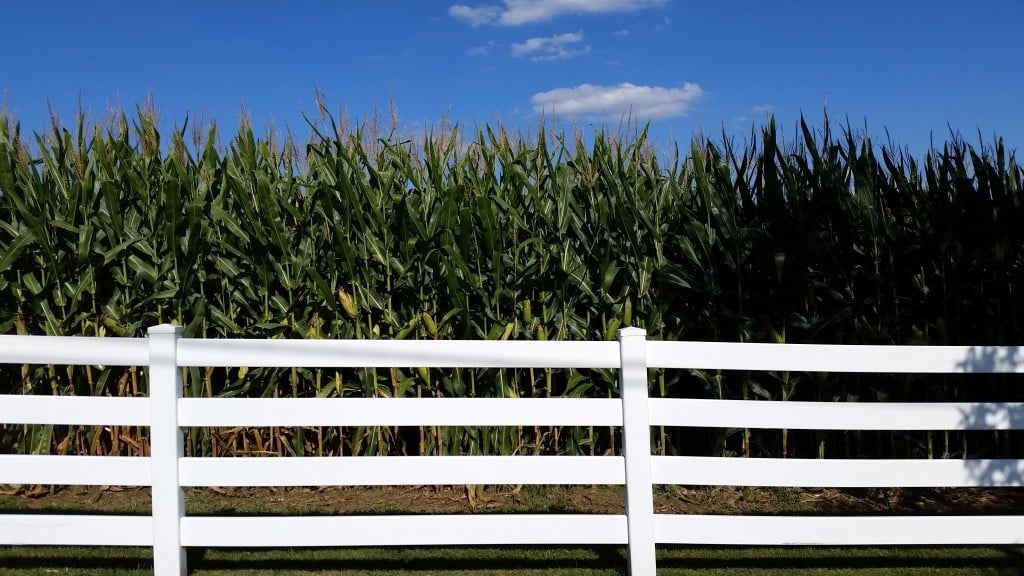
168	530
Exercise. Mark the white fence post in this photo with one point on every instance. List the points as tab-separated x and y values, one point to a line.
166	447
636	447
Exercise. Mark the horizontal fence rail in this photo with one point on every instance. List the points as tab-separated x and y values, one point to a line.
838	531
835	358
74	530
402	470
85	410
769	414
74	350
427	530
392	353
399	411
75	470
168	529
836	473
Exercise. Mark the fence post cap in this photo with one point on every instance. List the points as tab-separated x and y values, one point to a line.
164	329
630	331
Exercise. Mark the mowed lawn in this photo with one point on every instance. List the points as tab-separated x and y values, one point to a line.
519	561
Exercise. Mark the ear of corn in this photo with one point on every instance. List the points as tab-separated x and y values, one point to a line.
361	234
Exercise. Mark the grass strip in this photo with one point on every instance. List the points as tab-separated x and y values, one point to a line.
521	561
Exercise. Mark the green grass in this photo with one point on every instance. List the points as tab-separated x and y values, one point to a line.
517	561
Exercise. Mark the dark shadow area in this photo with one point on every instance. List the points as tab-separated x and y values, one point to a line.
483	559
424	559
999	560
194	557
58	511
614	556
1016	556
1007	562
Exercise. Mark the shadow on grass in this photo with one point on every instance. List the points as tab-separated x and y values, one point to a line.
484	559
298	560
29	558
64	511
992	559
1016	557
1006	561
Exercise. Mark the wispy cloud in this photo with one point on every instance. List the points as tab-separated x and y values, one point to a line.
558	47
623	32
761	111
519	12
643	102
478	51
474	16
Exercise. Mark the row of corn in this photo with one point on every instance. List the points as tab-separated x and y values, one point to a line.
363	232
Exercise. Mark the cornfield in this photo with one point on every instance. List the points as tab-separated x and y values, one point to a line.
366	233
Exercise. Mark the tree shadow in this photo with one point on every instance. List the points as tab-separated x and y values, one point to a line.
992	360
997	472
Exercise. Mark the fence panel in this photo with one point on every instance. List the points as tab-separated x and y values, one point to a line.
804	530
168	530
62	529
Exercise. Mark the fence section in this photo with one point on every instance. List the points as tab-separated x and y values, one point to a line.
167	470
60	529
168	530
836	473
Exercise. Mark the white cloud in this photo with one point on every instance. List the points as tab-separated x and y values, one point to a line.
474	16
643	102
519	12
623	32
765	109
558	47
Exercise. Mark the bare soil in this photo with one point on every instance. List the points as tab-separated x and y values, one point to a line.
536	499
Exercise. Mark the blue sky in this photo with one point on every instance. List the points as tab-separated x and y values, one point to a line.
912	67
